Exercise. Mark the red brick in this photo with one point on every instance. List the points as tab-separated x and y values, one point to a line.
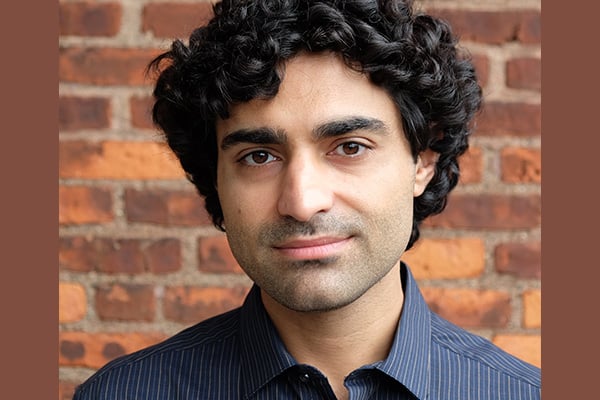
522	260
470	308
93	350
521	165
78	253
74	254
66	389
525	347
125	302
524	73
163	256
214	255
129	256
175	19
471	166
84	205
488	212
193	304
482	68
105	66
111	256
182	208
141	112
532	308
117	160
530	28
83	113
509	119
89	19
494	27
72	302
446	258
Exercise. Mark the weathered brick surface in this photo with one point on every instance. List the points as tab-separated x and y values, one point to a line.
92	350
175	19
482	68
214	255
88	18
522	260
130	256
530	28
494	27
520	165
104	255
125	302
526	347
532	305
194	304
163	256
72	302
84	205
104	66
471	166
524	73
470	308
117	160
83	113
489	212
166	207
66	389
141	112
446	258
509	119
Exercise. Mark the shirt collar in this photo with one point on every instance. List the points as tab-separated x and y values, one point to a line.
264	355
408	361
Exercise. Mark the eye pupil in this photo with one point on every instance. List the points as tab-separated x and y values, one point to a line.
260	157
351	148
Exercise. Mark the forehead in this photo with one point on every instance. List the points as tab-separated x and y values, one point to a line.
316	88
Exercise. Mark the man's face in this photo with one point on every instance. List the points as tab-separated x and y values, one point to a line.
317	185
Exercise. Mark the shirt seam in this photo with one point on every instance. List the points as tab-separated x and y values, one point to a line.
485	362
133	358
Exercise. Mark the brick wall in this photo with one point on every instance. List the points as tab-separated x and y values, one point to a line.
138	257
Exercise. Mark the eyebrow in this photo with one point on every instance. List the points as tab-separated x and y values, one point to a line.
265	135
262	135
347	125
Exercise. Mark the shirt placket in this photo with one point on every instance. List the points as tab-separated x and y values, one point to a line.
310	384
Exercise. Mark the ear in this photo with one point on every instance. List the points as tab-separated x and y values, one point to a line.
424	170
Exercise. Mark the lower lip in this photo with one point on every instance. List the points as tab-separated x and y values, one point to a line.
313	252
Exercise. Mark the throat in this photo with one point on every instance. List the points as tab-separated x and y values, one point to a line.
340	341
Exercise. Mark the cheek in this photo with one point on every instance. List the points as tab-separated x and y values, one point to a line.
229	194
391	184
242	207
392	199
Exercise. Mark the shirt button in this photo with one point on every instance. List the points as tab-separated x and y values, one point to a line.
304	377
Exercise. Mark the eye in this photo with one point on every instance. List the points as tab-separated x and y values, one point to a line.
259	157
350	149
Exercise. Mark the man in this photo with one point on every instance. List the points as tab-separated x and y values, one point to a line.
321	133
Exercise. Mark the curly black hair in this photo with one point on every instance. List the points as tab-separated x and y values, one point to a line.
239	54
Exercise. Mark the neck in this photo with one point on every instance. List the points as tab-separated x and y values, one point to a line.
340	341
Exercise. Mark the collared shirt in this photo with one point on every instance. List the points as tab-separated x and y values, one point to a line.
239	355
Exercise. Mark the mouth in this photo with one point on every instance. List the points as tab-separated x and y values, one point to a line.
313	248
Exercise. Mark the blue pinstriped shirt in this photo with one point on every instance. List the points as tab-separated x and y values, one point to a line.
239	355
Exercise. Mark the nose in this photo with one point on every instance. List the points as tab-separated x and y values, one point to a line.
305	190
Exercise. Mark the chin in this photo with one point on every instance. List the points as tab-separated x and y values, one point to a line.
316	299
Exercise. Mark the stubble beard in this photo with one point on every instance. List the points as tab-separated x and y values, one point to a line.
315	285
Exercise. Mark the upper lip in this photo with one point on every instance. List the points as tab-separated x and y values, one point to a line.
310	242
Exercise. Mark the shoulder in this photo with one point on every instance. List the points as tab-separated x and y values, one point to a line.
453	344
191	350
